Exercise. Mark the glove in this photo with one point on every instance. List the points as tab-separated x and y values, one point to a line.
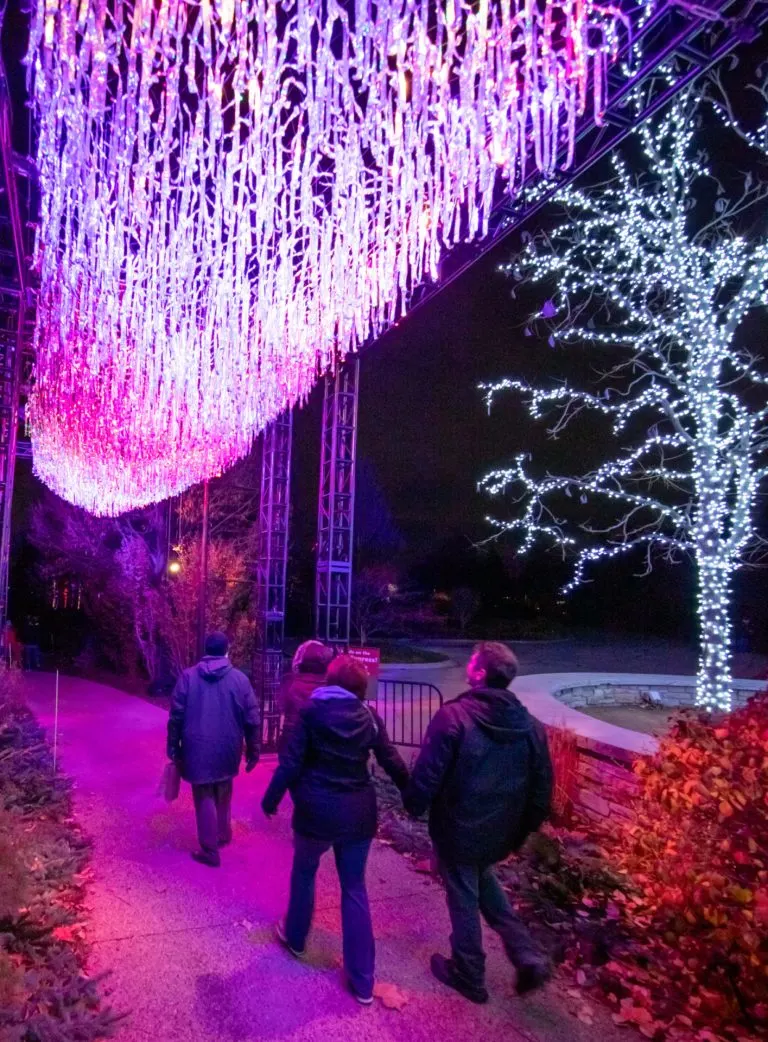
269	812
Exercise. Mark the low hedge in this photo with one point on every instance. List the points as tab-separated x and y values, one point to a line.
46	994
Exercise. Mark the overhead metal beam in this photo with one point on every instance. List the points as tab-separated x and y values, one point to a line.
695	37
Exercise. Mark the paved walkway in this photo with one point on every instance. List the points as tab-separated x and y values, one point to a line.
191	949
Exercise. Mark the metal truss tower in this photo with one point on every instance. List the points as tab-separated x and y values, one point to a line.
271	565
336	505
15	301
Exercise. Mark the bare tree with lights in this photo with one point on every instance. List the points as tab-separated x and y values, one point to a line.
644	273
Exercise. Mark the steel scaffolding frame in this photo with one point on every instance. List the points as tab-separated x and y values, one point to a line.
15	301
271	566
336	505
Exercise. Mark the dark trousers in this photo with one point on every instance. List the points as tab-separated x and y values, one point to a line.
213	810
473	890
357	930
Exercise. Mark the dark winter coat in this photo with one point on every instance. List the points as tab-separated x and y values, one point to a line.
485	774
326	768
294	694
213	711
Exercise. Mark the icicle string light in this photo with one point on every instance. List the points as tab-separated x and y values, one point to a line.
238	193
668	291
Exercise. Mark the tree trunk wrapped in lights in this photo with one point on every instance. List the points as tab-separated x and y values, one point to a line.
238	193
639	273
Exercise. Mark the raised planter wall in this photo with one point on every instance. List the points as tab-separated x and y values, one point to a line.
606	752
632	694
604	780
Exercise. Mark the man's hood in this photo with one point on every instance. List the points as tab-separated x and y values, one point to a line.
498	712
214	667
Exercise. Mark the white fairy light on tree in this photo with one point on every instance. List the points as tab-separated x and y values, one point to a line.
640	273
238	193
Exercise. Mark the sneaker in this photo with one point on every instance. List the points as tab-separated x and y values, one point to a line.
282	938
445	971
532	976
209	860
364	1000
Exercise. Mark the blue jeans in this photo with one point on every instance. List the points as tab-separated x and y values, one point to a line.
357	929
472	890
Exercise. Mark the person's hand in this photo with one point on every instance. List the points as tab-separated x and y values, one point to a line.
250	764
269	812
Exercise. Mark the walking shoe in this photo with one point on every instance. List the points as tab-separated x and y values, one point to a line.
211	861
364	1000
281	936
532	976
445	971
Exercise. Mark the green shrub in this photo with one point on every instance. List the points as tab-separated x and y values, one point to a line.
14	891
696	849
45	993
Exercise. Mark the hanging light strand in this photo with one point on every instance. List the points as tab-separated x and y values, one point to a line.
239	193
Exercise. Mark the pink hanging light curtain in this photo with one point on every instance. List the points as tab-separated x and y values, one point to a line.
238	193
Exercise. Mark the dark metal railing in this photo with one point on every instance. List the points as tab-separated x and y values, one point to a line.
406	707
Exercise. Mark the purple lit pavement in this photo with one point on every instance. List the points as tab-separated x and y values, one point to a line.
191	949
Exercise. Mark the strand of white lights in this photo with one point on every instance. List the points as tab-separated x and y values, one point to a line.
685	481
238	193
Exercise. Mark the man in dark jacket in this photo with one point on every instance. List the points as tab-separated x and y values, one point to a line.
485	774
308	668
213	711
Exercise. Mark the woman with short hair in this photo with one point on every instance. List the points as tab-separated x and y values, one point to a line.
326	767
308	667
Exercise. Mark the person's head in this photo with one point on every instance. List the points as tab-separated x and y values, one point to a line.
216	645
312	657
492	665
348	673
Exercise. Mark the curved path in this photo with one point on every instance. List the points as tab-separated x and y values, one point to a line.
191	949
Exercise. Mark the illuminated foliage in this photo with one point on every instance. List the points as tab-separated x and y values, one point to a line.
642	276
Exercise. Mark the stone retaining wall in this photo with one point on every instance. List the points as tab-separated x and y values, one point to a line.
603	778
631	694
604	782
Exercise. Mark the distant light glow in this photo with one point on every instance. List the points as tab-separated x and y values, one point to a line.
238	193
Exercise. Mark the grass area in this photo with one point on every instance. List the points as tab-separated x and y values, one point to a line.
635	718
46	994
411	654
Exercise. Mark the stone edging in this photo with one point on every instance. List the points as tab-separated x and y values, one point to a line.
605	752
539	692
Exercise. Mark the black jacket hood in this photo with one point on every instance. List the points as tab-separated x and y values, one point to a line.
497	712
341	714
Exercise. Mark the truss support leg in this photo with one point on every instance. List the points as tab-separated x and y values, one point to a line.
271	565
11	351
336	505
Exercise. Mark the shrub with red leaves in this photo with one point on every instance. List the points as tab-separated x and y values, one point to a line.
696	849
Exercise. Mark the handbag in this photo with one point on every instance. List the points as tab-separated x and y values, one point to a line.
171	782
